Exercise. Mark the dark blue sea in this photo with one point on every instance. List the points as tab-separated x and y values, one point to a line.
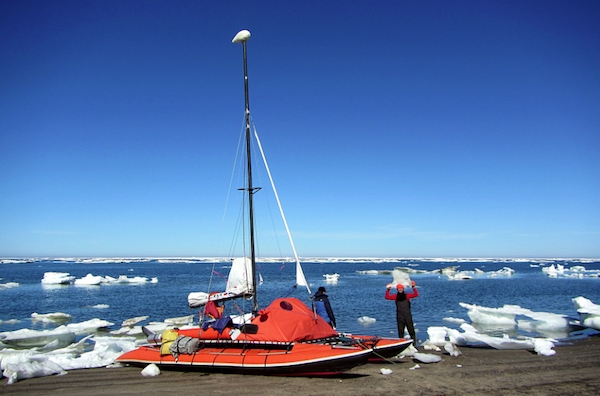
356	294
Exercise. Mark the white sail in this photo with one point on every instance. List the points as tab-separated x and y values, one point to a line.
239	284
240	277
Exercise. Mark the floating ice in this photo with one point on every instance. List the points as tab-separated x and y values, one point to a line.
57	278
89	326
576	271
132	321
54	317
455	320
90	280
332	278
365	320
8	285
182	320
416	366
385	371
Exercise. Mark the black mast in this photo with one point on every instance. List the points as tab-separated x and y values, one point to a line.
242	37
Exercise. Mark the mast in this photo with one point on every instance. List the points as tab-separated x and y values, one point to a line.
242	37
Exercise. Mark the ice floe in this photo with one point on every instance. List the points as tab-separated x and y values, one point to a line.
365	320
8	285
53	317
576	271
332	278
57	278
64	278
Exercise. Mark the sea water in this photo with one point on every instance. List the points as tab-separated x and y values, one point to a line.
359	291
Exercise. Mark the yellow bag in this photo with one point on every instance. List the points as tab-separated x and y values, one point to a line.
168	336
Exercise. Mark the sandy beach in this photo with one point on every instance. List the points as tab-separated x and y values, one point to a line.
574	370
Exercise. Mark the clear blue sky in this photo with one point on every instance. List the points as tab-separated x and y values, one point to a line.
393	128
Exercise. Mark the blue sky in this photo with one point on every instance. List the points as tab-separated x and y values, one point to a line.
392	128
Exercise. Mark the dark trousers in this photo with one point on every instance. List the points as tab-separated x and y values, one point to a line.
404	319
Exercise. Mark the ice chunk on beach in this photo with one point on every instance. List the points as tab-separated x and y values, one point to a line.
409	351
543	347
589	313
18	365
427	357
544	322
26	338
452	349
440	336
437	336
31	369
151	370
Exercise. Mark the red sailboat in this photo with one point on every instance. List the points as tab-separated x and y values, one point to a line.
285	338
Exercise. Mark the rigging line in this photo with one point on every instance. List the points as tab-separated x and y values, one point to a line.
270	210
232	176
223	217
300	278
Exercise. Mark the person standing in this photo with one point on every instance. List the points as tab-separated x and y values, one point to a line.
322	306
403	313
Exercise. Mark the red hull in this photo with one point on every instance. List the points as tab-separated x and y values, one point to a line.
253	358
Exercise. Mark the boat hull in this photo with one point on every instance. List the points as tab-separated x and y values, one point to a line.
288	359
386	348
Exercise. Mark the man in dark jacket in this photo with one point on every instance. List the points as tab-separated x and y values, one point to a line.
323	307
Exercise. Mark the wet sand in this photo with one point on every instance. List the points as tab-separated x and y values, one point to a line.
574	370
